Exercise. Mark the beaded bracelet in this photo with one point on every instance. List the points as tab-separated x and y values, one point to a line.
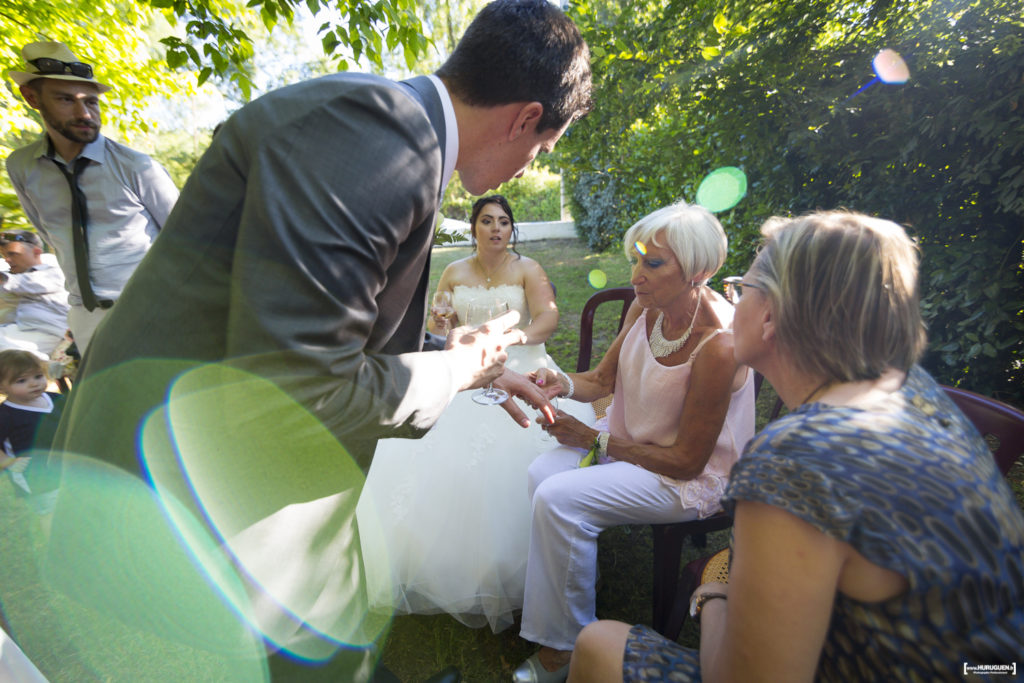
572	386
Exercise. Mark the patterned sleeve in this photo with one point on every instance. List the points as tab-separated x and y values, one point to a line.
784	468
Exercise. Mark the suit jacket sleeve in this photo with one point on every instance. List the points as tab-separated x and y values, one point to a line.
335	232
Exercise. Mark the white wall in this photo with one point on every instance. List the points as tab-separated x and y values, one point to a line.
545	230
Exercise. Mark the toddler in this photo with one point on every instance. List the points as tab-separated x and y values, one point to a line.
28	420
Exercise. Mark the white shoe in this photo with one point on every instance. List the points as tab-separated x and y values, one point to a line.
532	671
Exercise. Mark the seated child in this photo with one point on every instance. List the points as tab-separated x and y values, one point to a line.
28	420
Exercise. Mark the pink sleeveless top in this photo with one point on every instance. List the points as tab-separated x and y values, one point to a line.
648	404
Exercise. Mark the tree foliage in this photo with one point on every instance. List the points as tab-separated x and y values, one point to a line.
353	30
683	88
168	48
114	36
534	197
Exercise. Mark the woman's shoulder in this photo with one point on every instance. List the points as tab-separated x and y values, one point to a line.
720	308
460	273
525	266
458	266
874	435
714	346
798	447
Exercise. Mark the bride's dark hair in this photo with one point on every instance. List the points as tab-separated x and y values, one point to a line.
500	200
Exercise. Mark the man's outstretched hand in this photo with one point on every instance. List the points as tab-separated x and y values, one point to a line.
480	352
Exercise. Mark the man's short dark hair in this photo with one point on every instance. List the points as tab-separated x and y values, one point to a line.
522	51
24	236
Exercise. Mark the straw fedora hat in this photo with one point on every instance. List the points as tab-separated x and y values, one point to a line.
51	59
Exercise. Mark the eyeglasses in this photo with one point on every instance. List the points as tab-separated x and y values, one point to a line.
734	285
55	66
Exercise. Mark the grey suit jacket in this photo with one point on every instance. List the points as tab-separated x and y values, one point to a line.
260	349
298	251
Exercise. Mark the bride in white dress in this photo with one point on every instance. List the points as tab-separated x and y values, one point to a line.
445	520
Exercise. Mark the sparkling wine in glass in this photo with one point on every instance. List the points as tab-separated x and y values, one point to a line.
555	402
476	315
442	308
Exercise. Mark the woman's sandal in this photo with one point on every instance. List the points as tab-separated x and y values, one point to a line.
532	671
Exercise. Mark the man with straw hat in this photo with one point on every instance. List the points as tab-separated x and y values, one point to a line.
98	203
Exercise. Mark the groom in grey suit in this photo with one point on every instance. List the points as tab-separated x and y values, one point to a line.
272	334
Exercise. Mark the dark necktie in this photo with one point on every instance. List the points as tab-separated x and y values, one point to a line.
79	221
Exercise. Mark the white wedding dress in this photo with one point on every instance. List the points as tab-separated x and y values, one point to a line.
445	520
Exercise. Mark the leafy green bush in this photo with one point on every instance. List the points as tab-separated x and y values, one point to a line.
689	87
594	201
534	197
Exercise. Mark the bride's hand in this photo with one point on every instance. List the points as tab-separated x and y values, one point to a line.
444	321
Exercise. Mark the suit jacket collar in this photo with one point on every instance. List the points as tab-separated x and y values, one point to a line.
426	94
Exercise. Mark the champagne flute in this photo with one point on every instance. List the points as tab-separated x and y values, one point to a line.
442	308
477	314
555	402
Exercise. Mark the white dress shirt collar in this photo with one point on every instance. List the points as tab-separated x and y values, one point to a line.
451	128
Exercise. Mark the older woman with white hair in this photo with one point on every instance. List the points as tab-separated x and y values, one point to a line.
682	411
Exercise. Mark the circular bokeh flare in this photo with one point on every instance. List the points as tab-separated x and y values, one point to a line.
722	189
890	67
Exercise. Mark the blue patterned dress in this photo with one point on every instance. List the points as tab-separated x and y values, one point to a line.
910	484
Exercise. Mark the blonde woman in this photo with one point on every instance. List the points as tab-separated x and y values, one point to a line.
874	537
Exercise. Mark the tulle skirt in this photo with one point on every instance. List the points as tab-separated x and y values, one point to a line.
445	520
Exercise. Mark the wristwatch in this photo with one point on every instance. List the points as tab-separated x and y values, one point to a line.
698	600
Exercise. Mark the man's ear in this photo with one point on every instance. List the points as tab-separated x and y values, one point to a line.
526	119
37	252
31	94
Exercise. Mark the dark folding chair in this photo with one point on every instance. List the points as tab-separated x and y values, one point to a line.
1002	425
624	295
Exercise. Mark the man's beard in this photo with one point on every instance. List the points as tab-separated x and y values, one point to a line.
65	129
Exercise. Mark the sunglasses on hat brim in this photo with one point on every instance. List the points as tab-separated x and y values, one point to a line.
49	66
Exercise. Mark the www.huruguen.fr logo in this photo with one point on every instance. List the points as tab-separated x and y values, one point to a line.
990	669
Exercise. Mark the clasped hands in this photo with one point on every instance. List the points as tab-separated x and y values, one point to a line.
482	351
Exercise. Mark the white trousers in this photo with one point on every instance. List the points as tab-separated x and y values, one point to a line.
571	507
83	323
